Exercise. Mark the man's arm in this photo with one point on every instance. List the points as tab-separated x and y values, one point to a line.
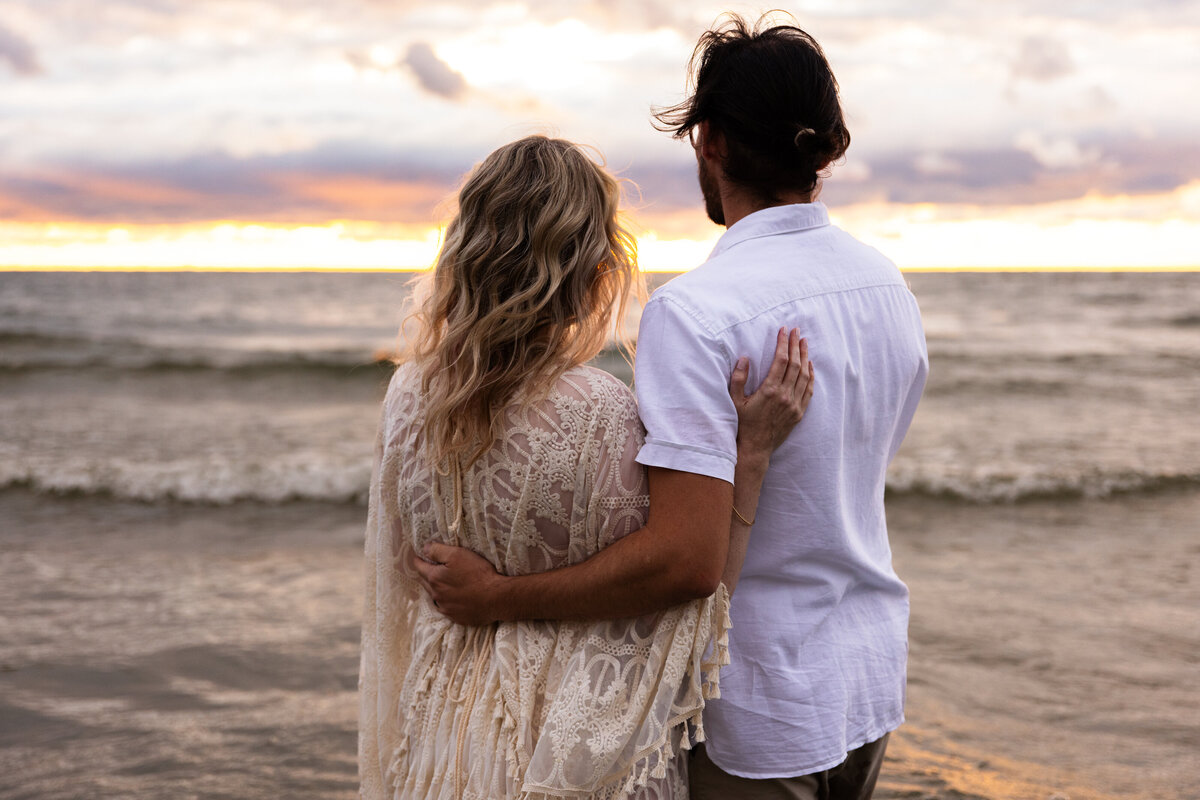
683	551
677	556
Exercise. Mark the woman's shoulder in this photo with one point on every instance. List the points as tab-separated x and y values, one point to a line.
597	387
403	377
594	405
403	390
577	402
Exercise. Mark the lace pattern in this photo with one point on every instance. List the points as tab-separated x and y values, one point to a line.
531	709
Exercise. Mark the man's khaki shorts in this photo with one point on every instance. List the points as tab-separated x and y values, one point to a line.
853	779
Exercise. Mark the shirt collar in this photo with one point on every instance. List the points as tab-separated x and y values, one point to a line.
773	220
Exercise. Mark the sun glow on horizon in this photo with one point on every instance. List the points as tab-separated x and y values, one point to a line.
1122	232
218	245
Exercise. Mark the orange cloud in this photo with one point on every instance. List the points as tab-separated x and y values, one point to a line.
356	197
124	189
15	207
49	196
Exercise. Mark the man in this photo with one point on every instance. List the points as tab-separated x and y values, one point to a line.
819	637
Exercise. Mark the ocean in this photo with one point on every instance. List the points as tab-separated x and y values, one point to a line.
184	459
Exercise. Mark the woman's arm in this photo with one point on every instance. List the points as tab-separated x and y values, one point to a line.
682	553
764	421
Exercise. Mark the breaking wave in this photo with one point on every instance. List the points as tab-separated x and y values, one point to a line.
209	482
33	351
313	477
1014	487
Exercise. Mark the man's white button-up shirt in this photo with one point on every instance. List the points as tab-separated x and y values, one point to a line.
820	619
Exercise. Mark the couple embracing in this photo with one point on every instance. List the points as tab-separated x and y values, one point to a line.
570	593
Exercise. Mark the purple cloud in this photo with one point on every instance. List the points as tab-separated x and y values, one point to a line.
434	75
18	52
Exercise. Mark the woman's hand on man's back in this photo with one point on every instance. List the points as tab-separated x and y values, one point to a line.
766	417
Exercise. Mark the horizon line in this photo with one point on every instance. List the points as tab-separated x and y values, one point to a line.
394	270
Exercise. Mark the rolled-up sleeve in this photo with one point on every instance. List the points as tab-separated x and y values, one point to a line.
682	377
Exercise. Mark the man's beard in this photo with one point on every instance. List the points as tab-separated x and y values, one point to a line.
712	194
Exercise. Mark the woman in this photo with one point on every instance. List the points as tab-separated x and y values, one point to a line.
496	437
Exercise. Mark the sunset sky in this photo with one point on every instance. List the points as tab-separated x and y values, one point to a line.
331	133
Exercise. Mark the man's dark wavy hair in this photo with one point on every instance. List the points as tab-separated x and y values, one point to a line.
770	92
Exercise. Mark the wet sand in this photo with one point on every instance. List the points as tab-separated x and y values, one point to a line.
183	651
1054	649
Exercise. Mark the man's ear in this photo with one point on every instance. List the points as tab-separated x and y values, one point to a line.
710	142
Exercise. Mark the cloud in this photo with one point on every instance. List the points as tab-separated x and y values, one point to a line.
365	197
344	181
1037	169
167	110
660	187
434	75
991	175
89	195
1043	59
407	185
1098	99
1056	153
18	52
936	164
624	14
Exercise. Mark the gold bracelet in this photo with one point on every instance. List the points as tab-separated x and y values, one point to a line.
747	522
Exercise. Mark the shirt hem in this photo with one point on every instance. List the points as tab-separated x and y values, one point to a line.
807	770
687	458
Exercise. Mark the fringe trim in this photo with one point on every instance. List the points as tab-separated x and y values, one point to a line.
680	734
397	774
651	763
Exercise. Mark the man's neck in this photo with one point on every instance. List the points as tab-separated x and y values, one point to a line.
738	204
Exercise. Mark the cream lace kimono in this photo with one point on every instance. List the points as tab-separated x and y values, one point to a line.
528	709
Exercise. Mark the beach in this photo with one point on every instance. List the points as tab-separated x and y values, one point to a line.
183	461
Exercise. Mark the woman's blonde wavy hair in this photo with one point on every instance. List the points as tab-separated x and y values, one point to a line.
534	270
